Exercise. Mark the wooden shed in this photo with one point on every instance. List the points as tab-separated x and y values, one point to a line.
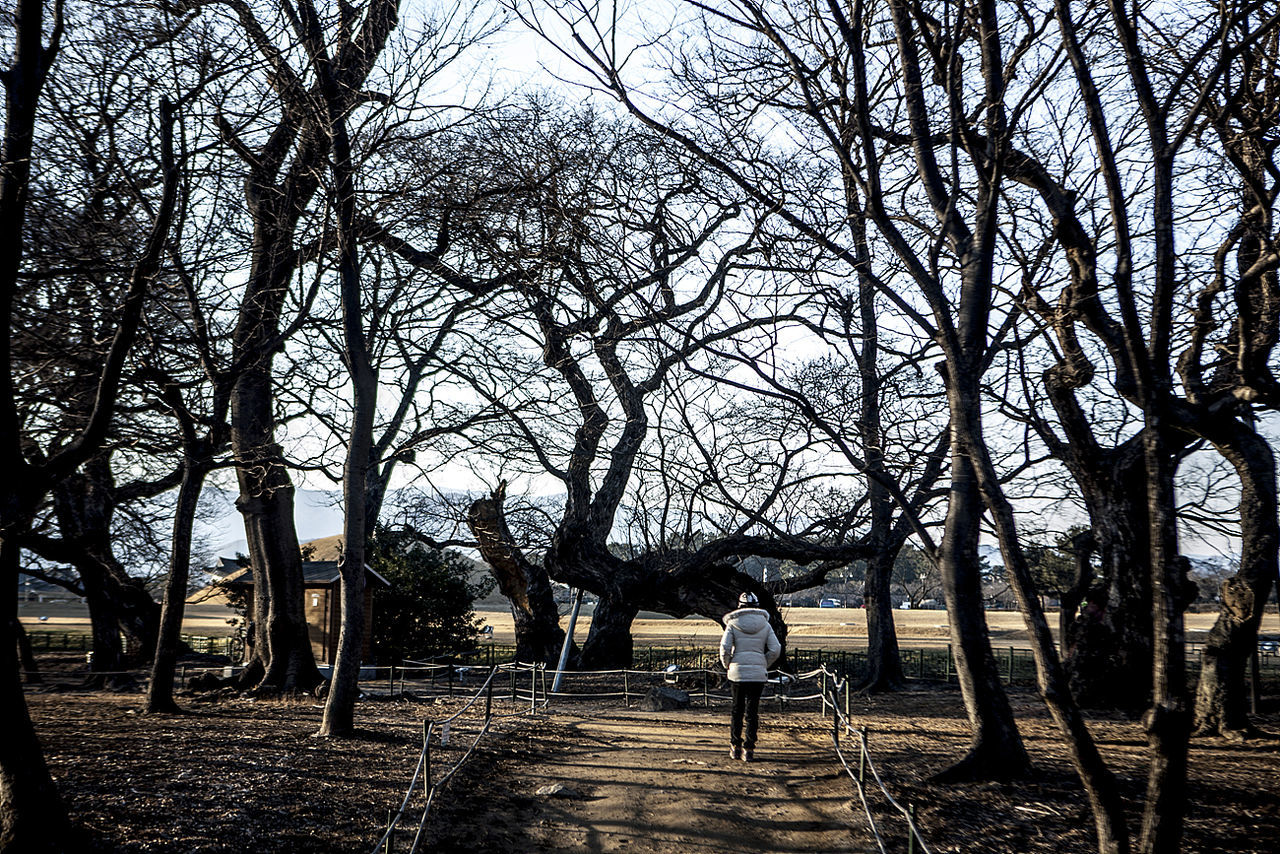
322	604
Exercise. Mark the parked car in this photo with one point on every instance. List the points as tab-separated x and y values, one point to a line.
1269	646
830	603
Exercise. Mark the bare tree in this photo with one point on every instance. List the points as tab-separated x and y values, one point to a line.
283	155
32	817
1226	369
877	416
836	118
83	229
336	99
627	259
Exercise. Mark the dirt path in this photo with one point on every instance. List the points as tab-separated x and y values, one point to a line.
660	782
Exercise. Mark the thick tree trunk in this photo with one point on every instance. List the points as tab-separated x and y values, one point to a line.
609	645
117	605
884	661
85	508
1107	644
160	689
1109	641
281	642
106	656
996	751
266	503
1221	707
1083	547
32	815
537	621
281	645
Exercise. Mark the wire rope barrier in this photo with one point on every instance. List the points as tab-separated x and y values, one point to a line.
835	687
830	689
423	771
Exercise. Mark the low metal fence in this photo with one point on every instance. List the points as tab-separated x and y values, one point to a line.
45	641
932	661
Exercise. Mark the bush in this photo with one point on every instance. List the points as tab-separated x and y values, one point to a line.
428	610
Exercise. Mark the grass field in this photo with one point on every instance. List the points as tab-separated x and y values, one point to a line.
831	628
836	628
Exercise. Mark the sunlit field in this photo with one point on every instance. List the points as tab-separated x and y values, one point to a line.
827	628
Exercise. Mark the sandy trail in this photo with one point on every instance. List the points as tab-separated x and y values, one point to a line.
664	782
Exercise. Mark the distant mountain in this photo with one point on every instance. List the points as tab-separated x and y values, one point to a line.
317	513
1214	565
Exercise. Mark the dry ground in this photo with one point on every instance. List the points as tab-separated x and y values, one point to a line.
237	775
662	783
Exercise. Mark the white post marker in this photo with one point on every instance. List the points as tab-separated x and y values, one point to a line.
568	642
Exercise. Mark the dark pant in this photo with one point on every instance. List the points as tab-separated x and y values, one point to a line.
746	707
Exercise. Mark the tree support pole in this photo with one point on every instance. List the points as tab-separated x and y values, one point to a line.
568	642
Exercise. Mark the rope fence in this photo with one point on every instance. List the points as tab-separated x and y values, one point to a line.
835	688
526	690
423	770
630	685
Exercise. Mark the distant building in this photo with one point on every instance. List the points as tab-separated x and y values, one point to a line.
225	566
322	604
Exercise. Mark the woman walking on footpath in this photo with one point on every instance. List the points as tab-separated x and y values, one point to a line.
747	650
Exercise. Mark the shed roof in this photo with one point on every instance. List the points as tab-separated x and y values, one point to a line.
315	573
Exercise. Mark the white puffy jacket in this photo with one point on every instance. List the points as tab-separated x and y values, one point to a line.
749	646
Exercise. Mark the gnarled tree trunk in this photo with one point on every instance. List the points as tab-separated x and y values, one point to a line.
281	642
537	621
1109	641
1220	706
85	507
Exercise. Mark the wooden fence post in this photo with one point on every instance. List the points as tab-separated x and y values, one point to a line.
488	700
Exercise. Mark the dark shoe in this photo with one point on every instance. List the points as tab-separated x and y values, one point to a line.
747	755
735	752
